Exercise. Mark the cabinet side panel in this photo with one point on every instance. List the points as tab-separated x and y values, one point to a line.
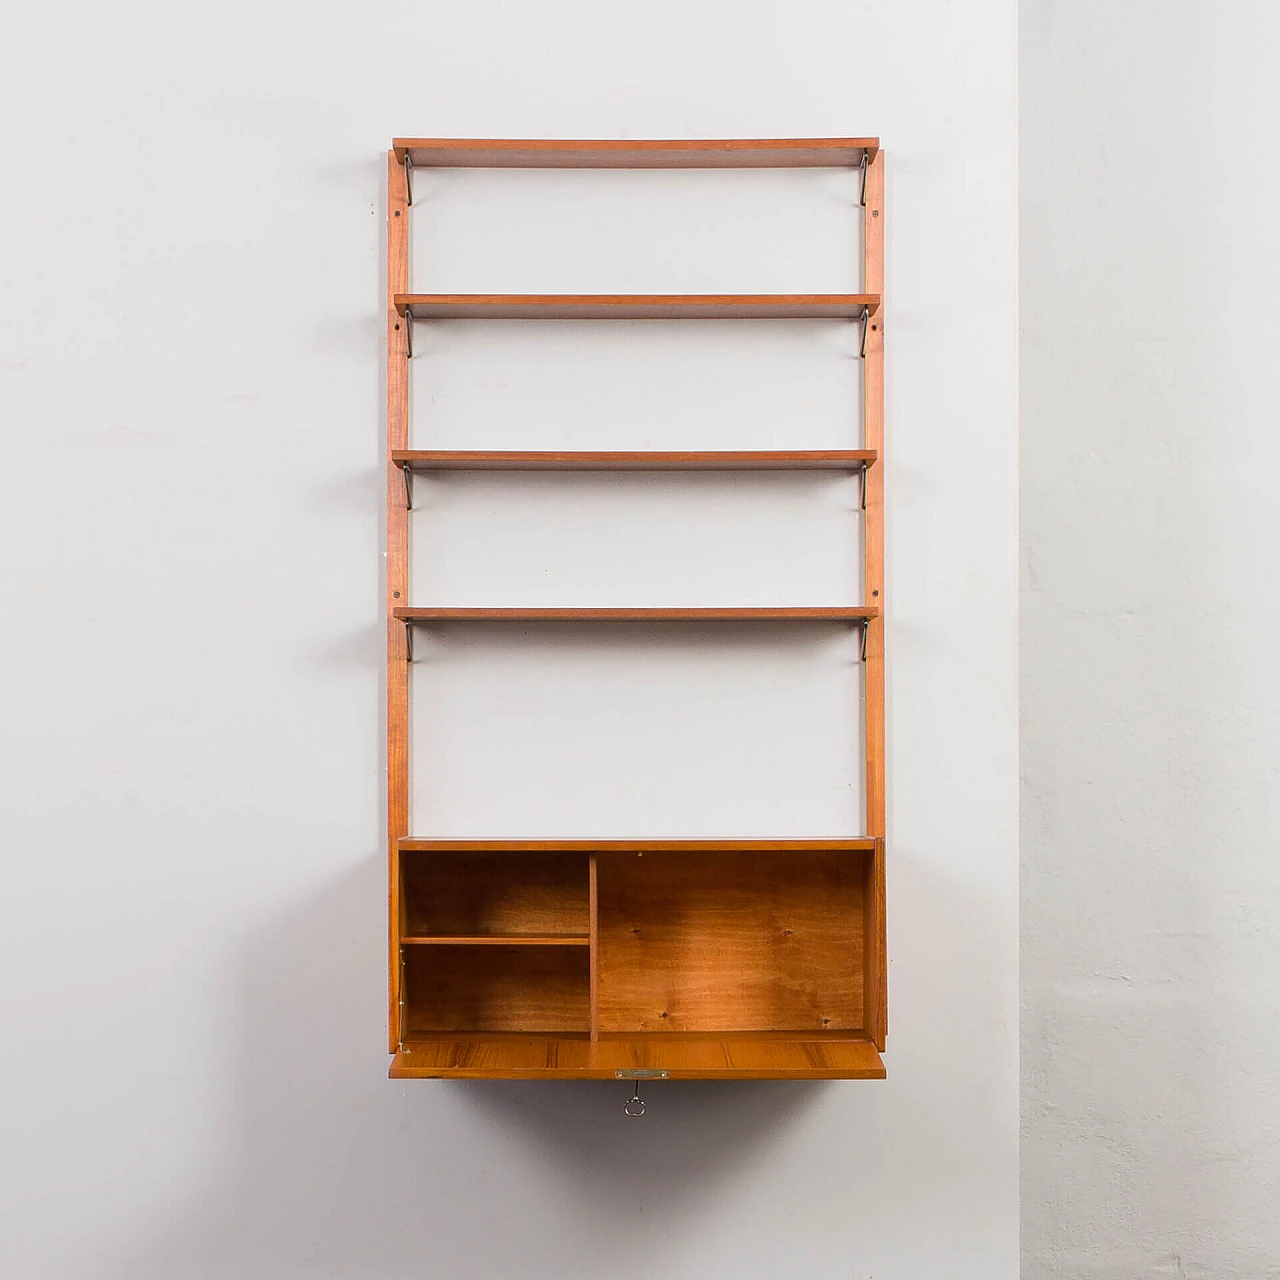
593	925
874	981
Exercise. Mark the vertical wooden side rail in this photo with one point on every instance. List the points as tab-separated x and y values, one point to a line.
397	576
873	577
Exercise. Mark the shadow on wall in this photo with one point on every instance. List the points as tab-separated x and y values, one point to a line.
326	1168
311	1163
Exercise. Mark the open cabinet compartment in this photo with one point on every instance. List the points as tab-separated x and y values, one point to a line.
738	942
497	989
702	963
495	941
487	896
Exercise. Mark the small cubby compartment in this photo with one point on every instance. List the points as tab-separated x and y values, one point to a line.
734	941
500	988
493	895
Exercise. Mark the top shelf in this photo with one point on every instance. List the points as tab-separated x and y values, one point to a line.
675	153
636	306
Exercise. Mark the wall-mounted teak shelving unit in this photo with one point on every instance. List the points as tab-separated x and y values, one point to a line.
590	959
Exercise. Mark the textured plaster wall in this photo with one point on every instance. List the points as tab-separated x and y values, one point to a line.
1150	690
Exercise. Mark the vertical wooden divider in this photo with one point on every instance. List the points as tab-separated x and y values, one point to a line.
875	985
397	575
593	926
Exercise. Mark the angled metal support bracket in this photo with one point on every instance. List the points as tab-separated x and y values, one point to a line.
862	485
408	487
408	179
408	640
408	332
862	199
866	320
866	622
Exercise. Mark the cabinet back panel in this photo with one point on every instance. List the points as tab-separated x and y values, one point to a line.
731	941
495	988
494	893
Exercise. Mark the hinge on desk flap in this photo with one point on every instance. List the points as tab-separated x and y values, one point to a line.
400	1027
641	1073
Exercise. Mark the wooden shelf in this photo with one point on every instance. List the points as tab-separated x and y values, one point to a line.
636	306
726	1056
681	153
426	844
837	613
644	460
500	940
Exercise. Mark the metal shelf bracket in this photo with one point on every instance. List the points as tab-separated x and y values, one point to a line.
408	640
407	472
408	179
862	199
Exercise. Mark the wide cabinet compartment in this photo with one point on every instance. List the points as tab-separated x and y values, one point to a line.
686	959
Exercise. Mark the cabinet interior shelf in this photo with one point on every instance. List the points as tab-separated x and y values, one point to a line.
672	153
636	306
500	940
642	460
837	613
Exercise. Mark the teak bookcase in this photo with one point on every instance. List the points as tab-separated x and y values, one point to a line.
630	959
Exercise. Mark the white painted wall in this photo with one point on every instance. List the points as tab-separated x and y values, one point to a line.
192	957
1150	692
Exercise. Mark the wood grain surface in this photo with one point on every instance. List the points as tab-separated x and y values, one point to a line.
397	580
611	153
731	942
495	893
528	1057
875	592
785	613
497	988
